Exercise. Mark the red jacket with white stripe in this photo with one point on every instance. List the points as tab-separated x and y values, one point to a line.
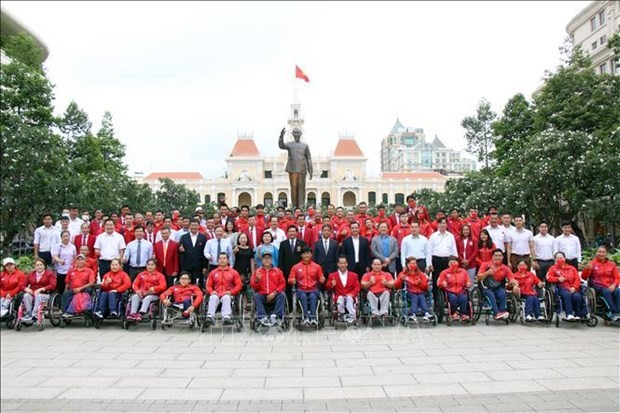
352	289
181	293
571	277
602	273
457	280
307	276
527	282
222	280
271	280
417	283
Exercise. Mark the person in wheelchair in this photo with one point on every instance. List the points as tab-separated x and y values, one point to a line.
223	284
345	287
308	275
494	276
269	286
39	285
113	285
527	282
80	279
568	283
603	276
147	286
378	283
185	297
416	284
12	282
455	281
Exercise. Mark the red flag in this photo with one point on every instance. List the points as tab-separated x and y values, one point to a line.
300	75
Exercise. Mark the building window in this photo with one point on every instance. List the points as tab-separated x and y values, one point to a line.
268	175
324	174
325	199
384	199
282	199
268	199
221	198
601	18
603	68
372	198
399	198
348	199
593	23
311	199
207	199
594	45
603	40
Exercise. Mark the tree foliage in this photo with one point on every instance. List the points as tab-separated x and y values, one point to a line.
173	196
479	132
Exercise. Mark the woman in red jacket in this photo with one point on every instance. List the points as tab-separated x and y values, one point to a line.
417	286
567	280
223	284
467	247
485	247
605	280
12	282
114	283
526	288
368	230
422	217
184	295
39	284
147	286
455	281
378	283
496	277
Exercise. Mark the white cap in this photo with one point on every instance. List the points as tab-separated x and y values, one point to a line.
198	209
8	261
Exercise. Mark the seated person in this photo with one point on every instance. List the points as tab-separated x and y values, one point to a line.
346	287
307	275
223	284
39	284
527	282
605	279
269	286
567	280
378	283
113	285
91	262
79	279
417	287
455	281
147	286
496	276
185	296
12	282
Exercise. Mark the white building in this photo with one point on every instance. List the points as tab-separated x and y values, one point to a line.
592	28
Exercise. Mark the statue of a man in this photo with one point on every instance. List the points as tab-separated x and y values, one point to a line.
299	164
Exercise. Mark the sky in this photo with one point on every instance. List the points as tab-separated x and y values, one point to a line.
183	79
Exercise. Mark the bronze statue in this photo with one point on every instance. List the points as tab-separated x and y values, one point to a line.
299	164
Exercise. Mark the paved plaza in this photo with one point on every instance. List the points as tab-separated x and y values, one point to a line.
478	368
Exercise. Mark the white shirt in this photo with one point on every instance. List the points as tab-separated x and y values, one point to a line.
46	238
278	236
325	242
210	251
193	237
343	277
110	245
441	245
498	236
356	248
519	241
543	247
570	246
417	247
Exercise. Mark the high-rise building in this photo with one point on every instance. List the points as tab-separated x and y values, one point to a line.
592	28
406	150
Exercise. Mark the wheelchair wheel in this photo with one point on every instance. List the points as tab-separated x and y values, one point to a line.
476	302
512	306
124	324
557	320
439	308
97	322
548	305
592	321
590	297
53	310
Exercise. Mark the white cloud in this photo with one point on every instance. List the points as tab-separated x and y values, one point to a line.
182	79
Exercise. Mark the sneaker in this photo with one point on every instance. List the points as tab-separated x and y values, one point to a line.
349	319
185	314
178	306
272	319
541	318
113	314
314	322
465	317
131	317
529	318
504	314
456	316
265	322
412	318
138	317
577	318
615	317
279	322
67	315
98	314
4	312
26	319
570	317
427	316
226	321
209	320
306	322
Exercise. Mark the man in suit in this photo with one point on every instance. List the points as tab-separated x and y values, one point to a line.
85	238
326	251
385	247
357	250
166	252
303	232
289	255
191	253
254	232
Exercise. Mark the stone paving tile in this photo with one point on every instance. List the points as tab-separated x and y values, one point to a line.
61	372
303	363
502	375
508	407
370	380
275	382
502	387
262	394
25	381
204	372
423	368
465	377
337	371
477	366
361	392
9	392
227	383
578	383
272	372
97	382
120	364
469	408
89	393
180	394
425	390
129	372
153	382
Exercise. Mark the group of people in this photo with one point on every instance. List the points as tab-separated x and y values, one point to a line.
178	259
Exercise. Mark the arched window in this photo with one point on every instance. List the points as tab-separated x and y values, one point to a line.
207	199
311	200
372	198
384	199
348	199
282	199
399	198
268	199
325	199
244	199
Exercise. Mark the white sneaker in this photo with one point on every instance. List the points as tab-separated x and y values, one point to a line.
577	318
541	318
4	312
27	318
306	322
265	321
314	322
427	316
615	317
412	318
528	318
273	319
570	317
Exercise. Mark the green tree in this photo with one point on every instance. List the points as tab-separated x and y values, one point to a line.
479	132
172	196
512	129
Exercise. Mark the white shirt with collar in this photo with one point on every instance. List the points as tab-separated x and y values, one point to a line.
569	245
543	247
343	277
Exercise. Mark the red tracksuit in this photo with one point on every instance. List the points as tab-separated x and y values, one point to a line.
47	281
602	273
12	283
457	280
77	278
181	293
417	283
271	280
501	273
378	288
399	232
119	281
222	280
145	280
527	282
568	272
308	276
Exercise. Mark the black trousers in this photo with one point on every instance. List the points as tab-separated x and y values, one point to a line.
134	271
439	264
104	267
543	267
46	256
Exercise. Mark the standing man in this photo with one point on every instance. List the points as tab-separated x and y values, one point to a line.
357	251
109	245
385	248
44	238
496	231
543	251
290	254
442	246
191	253
326	251
215	246
138	252
568	244
416	245
166	253
276	232
84	238
400	231
96	225
299	164
519	245
75	222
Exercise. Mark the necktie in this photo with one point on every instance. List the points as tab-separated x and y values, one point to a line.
326	243
165	251
252	236
293	245
85	240
139	257
219	247
211	232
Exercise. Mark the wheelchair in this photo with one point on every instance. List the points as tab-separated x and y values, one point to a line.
150	317
402	305
174	314
86	315
545	301
298	316
11	317
121	306
365	311
589	303
236	317
482	305
602	308
334	318
446	310
49	310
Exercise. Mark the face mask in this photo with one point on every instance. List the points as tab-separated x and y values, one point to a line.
422	216
522	269
474	215
561	260
454	265
412	266
311	212
411	204
381	213
85	217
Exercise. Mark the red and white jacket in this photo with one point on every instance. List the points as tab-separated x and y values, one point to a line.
417	283
307	276
602	273
117	281
456	279
352	289
145	280
222	280
272	280
527	282
571	277
47	281
12	283
181	293
378	287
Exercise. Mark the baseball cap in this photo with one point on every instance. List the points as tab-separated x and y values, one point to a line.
80	256
198	209
8	261
266	252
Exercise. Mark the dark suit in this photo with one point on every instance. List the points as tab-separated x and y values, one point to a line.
364	255
326	261
286	259
192	259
